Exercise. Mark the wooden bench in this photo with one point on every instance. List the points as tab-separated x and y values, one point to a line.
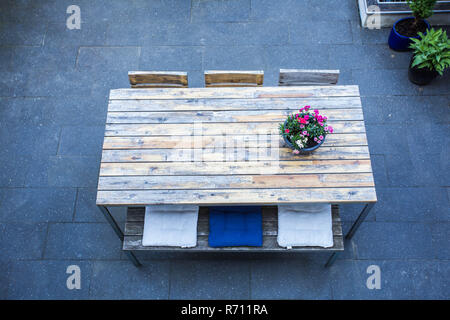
302	77
158	79
214	78
134	228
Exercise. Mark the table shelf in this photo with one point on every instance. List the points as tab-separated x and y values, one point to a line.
134	228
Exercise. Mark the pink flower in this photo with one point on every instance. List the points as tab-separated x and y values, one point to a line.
315	139
306	117
307	108
321	137
302	126
287	130
304	133
302	120
316	111
295	151
326	128
321	124
330	128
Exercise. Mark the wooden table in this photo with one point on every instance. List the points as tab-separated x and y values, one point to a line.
212	146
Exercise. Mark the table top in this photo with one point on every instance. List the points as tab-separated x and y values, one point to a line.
217	146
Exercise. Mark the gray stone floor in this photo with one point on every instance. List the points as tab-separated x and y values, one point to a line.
54	87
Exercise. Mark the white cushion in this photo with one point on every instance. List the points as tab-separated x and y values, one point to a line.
305	225
170	225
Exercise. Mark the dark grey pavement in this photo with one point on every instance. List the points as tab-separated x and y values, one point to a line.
54	87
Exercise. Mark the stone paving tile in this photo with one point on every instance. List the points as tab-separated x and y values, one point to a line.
54	83
209	279
37	205
22	240
379	170
82	241
234	58
111	58
441	241
412	204
122	280
367	57
382	82
220	11
399	280
81	140
227	34
394	240
292	10
302	278
23	33
46	279
171	58
390	109
90	34
4	279
12	83
70	111
73	171
306	31
385	139
297	57
6	54
87	211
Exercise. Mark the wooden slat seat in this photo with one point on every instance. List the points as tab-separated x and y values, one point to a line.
215	78
134	228
158	79
302	77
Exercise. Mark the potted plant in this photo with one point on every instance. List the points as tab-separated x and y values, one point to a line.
305	131
431	56
408	28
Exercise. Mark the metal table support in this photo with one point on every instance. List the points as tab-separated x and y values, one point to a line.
365	211
119	233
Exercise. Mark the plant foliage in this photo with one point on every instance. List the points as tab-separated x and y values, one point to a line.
421	9
431	50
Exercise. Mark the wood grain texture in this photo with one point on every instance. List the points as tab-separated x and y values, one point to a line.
134	227
239	154
235	93
303	77
214	146
158	79
222	78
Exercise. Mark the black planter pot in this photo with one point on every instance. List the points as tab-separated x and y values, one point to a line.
420	76
304	150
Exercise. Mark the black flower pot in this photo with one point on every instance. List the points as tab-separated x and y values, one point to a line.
304	150
420	76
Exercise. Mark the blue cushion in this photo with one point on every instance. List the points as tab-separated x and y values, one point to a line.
235	226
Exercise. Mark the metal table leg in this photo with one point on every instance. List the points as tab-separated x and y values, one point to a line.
119	233
365	211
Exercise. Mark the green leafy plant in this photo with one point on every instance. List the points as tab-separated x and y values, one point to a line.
421	9
431	51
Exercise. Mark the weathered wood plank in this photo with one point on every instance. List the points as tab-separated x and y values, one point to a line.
236	196
216	142
237	128
222	116
158	79
217	78
235	93
233	168
236	182
300	77
239	154
293	104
